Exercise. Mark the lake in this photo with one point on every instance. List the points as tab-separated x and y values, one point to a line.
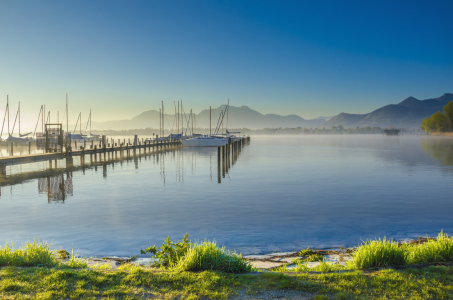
282	193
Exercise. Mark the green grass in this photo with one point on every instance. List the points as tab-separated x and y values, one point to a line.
379	253
30	255
131	282
208	256
306	252
434	250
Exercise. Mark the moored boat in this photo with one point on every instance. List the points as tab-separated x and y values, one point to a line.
204	141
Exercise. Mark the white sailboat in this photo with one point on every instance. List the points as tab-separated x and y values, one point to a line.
207	141
204	141
22	138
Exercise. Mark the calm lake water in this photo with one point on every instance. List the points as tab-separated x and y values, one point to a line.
282	193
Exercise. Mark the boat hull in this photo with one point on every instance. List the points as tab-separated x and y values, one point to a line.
204	142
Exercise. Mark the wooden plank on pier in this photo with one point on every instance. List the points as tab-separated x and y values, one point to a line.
29	158
37	157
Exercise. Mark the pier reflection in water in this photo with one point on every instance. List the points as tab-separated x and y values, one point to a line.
278	194
55	178
57	187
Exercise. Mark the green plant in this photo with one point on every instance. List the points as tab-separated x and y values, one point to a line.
169	253
99	266
379	253
74	262
306	252
434	250
32	254
313	257
62	254
207	256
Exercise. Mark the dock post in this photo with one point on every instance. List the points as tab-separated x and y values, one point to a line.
29	148
12	149
219	178
223	160
218	156
2	170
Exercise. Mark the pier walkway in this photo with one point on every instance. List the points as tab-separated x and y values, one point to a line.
37	157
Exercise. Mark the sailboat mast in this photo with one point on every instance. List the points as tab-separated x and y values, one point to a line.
178	119
67	116
182	119
210	120
90	121
42	119
80	123
191	114
226	127
19	118
163	130
7	107
160	123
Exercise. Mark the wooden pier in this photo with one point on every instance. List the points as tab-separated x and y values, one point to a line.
227	156
106	149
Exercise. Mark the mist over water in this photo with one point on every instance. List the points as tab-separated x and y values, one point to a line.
282	193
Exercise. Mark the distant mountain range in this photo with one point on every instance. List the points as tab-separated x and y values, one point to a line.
238	117
408	113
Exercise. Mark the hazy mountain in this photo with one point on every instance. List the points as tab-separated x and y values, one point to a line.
408	113
238	117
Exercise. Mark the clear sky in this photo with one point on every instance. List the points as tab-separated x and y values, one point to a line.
309	58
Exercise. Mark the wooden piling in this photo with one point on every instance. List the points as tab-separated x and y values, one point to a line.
218	156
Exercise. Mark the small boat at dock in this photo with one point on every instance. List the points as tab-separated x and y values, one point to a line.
204	141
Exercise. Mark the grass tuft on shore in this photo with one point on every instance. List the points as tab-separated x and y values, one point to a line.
32	254
208	256
379	253
434	250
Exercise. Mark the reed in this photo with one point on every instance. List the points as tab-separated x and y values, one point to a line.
208	256
434	250
32	254
379	253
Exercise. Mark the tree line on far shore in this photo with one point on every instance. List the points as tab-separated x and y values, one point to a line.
440	121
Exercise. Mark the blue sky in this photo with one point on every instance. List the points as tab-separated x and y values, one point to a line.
310	58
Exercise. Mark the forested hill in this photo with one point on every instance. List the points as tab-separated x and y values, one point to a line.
409	113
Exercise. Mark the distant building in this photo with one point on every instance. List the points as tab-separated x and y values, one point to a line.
391	131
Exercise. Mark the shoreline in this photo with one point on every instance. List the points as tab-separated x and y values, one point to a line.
448	134
264	261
